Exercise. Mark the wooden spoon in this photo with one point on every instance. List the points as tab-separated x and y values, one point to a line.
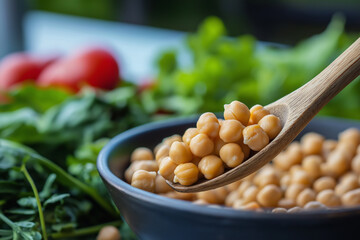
295	111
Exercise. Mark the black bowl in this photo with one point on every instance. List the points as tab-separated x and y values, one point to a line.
152	216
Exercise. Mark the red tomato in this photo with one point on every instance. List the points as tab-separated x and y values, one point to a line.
95	67
17	68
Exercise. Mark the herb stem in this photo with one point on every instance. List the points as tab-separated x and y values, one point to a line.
36	194
85	231
62	176
71	181
6	220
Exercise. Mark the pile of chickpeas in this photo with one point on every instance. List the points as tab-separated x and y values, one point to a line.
214	145
314	173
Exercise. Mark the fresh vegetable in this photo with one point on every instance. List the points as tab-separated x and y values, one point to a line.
19	67
95	67
226	69
53	191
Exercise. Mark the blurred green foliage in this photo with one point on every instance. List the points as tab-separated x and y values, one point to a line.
102	9
226	69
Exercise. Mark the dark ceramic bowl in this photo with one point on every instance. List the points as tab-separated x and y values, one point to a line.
152	216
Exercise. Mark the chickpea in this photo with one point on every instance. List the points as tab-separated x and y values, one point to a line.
231	154
355	164
266	169
201	145
351	198
189	134
162	152
238	204
301	177
220	120
230	199
208	124
200	202
147	165
257	112
233	186
196	160
211	166
307	195
231	131
269	196
174	138
255	137
293	191
271	124
279	210
245	148
266	178
292	156
249	177
351	135
286	203
314	205
238	111
347	183
179	195
251	206
325	170
109	233
282	162
347	149
295	169
141	153
218	144
250	194
295	210
285	181
324	183
214	196
328	198
243	186
358	150
337	163
312	144
166	168
328	147
160	185
180	153
144	180
312	165
186	174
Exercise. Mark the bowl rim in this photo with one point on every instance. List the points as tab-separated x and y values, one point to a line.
186	206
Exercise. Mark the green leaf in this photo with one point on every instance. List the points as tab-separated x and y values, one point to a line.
76	120
39	99
25	224
48	186
20	125
63	227
56	198
22	211
27	202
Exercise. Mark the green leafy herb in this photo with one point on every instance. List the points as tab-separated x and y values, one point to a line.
226	69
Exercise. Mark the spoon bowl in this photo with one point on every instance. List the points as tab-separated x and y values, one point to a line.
295	111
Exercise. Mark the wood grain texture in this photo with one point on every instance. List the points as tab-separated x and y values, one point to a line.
295	111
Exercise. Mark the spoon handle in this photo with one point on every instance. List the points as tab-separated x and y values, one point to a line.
306	101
